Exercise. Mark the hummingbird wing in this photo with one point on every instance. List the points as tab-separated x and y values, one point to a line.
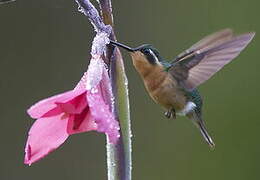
205	58
208	41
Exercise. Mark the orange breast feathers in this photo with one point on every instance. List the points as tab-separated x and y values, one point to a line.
160	85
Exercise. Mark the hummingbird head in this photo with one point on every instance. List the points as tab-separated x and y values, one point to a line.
146	58
145	52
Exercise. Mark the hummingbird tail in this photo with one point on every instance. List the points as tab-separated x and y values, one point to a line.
205	134
200	124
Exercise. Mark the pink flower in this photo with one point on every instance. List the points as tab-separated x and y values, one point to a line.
83	109
75	111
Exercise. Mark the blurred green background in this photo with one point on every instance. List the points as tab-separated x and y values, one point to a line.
44	49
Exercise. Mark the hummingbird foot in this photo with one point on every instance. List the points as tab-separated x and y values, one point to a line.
170	113
173	113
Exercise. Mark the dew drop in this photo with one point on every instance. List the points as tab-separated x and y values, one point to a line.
80	9
113	164
111	126
94	90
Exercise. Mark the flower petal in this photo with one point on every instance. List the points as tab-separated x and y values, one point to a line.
45	135
99	44
74	106
81	122
95	71
105	120
106	89
44	106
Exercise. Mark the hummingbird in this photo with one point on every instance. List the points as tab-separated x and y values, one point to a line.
173	84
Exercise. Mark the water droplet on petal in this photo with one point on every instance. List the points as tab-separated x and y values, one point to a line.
111	126
94	90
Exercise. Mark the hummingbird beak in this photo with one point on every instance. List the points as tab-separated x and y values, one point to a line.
122	46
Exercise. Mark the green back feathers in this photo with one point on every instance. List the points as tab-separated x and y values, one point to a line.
195	97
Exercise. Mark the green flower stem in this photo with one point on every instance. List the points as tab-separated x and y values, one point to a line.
119	160
119	157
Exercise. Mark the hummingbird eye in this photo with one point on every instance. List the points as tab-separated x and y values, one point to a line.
146	51
151	57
